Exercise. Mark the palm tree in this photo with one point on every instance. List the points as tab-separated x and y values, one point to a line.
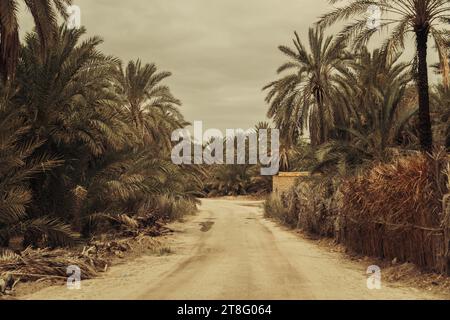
420	17
44	13
443	67
379	109
17	167
71	106
231	180
440	99
71	103
151	105
314	82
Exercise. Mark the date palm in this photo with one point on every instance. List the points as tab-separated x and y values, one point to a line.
305	94
421	18
380	107
152	107
44	12
71	105
17	167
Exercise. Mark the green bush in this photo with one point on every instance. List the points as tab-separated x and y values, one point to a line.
170	208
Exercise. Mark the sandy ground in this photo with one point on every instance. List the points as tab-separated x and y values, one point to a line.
229	251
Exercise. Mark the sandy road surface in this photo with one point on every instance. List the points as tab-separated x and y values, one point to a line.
229	251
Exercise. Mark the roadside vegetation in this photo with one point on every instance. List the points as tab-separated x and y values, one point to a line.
84	141
378	129
238	179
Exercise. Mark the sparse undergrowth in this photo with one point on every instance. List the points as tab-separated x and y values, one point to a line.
128	236
33	266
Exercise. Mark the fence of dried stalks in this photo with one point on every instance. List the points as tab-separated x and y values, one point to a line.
396	211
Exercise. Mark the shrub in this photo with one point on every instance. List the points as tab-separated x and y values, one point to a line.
311	205
170	208
274	208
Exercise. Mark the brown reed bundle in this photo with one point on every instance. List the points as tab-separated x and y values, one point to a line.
395	211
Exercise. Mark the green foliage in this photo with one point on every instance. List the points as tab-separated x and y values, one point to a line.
380	106
274	208
303	98
235	180
82	140
17	167
440	101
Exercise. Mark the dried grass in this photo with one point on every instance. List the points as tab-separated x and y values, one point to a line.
395	211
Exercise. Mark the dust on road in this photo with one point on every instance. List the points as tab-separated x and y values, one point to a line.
230	252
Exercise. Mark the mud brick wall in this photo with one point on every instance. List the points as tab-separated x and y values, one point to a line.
284	181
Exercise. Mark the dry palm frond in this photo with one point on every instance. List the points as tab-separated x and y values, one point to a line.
44	263
122	219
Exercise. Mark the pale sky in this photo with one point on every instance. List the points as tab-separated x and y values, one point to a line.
221	52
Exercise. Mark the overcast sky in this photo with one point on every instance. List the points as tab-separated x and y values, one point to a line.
221	52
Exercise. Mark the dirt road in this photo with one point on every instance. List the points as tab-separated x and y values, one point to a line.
229	251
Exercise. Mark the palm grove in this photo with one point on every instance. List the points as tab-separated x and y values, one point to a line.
84	139
379	131
360	105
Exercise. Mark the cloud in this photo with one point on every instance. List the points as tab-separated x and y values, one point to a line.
221	52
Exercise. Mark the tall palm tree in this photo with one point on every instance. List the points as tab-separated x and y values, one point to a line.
151	105
420	17
68	95
44	12
70	106
313	84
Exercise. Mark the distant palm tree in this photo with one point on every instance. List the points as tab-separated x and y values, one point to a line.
312	85
380	104
440	99
420	17
44	13
443	67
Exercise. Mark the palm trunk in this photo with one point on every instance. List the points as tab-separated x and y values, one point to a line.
425	133
319	98
9	54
